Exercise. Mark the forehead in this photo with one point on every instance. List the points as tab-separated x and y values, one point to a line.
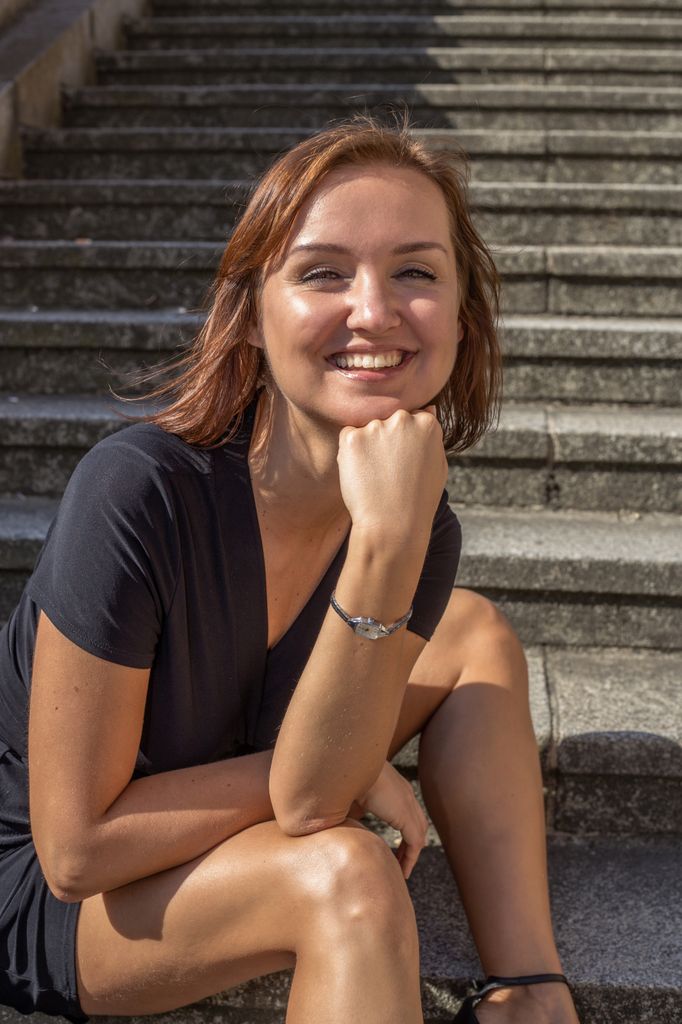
374	202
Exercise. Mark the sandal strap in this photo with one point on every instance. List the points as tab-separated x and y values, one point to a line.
494	982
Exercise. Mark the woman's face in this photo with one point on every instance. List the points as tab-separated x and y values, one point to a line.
360	317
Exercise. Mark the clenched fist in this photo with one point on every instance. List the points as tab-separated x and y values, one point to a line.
392	473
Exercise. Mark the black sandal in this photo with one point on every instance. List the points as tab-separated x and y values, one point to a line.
466	1013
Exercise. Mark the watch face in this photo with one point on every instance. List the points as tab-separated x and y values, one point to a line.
369	628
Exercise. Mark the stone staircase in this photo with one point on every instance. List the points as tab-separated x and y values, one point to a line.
572	114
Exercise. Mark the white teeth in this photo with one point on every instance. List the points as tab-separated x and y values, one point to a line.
365	361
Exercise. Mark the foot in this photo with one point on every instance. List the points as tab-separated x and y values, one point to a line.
550	1003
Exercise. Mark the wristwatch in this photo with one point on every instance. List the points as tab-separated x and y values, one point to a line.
367	627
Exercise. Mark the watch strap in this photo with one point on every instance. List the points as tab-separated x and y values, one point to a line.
365	625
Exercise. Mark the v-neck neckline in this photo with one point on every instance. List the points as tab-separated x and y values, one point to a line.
245	433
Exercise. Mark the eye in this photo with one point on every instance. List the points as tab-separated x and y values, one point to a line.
319	274
418	272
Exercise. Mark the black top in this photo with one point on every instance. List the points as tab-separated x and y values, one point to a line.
154	559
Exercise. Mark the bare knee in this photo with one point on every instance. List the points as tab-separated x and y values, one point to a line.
352	879
488	647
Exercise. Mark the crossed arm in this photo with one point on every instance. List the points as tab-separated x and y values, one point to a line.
95	830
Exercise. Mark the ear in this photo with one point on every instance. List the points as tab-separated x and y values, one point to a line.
254	336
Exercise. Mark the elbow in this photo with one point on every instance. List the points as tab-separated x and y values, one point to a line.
67	875
305	820
302	816
299	825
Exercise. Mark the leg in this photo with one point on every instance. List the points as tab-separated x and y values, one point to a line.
332	905
480	777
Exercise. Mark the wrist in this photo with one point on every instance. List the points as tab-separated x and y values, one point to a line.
389	544
379	578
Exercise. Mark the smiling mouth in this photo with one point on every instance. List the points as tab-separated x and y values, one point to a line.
366	361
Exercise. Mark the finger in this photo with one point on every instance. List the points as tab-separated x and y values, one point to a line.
400	853
410	859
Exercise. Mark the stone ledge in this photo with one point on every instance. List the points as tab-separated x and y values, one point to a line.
578	28
529	198
476	141
584	337
48	47
587	99
618	711
166	8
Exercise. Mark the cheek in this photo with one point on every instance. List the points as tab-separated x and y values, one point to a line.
297	315
435	322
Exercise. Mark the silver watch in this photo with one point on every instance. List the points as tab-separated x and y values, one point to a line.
370	629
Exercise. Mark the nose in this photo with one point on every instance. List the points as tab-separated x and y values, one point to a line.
373	306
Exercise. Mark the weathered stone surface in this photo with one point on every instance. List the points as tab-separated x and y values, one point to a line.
555	617
607	434
353	30
592	337
504	214
23	525
619	711
497	154
106	275
127	329
463	106
600	553
629	8
585	359
618	736
99	210
558	66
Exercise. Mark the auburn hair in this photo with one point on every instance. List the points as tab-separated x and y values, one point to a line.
217	377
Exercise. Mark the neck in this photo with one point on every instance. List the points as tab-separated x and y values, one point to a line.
295	475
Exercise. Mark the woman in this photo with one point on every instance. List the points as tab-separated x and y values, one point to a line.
194	601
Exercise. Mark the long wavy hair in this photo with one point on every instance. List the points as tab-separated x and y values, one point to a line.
217	377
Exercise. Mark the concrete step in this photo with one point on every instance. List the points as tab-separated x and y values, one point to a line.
496	155
575	578
611	8
602	457
587	359
237	31
622	108
539	65
566	359
44	352
578	578
565	280
608	724
185	210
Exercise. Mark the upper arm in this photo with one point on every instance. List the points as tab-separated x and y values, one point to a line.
85	724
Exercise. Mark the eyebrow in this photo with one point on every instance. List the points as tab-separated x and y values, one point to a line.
399	250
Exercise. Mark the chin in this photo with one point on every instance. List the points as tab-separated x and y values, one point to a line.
363	411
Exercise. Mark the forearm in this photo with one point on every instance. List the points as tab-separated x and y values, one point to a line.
167	819
337	729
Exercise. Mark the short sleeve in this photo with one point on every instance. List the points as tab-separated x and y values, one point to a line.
439	572
106	573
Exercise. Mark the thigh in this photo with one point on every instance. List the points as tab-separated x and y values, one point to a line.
239	911
471	640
